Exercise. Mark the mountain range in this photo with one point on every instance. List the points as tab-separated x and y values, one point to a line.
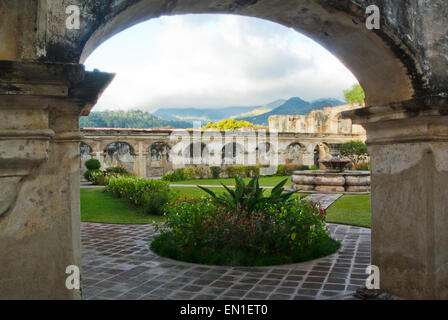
256	114
183	118
215	114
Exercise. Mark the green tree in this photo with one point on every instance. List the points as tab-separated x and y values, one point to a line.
355	94
229	124
355	150
135	119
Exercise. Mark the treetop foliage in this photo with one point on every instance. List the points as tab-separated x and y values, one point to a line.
135	119
353	148
355	94
229	124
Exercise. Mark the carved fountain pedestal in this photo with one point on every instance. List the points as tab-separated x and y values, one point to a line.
333	179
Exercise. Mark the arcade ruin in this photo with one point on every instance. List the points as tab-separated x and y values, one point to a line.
44	88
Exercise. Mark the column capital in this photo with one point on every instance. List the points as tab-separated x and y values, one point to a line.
417	120
40	104
47	81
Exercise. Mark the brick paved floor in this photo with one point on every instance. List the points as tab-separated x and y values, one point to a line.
117	264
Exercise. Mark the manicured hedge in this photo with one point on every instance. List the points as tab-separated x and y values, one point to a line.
150	195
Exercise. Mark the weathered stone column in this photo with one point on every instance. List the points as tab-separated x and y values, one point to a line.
408	144
40	105
140	162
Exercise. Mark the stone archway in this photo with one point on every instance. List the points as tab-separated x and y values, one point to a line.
294	154
44	90
119	154
232	154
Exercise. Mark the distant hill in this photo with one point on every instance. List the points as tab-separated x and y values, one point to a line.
215	114
183	118
129	119
294	106
204	115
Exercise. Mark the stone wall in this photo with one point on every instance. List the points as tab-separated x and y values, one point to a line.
326	121
149	152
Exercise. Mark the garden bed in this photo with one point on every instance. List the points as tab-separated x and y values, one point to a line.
243	227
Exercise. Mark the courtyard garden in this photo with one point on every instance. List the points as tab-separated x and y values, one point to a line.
243	221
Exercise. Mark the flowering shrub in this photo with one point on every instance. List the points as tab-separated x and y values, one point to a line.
117	171
91	174
151	195
187	174
281	230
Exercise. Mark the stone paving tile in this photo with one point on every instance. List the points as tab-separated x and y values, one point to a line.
118	264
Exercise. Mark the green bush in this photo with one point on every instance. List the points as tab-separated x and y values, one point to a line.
188	173
288	170
177	175
90	174
356	151
117	171
171	177
314	167
93	164
98	178
242	171
363	167
248	198
151	195
216	172
243	227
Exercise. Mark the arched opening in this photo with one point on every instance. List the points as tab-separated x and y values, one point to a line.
394	65
196	153
159	151
119	154
294	154
342	31
232	154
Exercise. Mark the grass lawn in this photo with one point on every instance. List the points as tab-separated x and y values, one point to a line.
101	207
264	181
352	210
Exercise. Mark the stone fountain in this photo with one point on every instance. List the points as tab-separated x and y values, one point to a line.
333	179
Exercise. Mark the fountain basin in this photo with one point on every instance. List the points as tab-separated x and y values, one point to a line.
335	165
326	181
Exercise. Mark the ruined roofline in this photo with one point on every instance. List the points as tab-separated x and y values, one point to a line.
335	109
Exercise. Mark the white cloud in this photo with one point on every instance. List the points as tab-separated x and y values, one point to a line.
214	61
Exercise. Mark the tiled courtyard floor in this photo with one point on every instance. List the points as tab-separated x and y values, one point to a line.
117	264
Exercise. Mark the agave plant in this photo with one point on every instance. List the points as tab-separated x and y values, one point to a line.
247	198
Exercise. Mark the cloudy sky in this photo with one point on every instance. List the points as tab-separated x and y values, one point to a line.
214	61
